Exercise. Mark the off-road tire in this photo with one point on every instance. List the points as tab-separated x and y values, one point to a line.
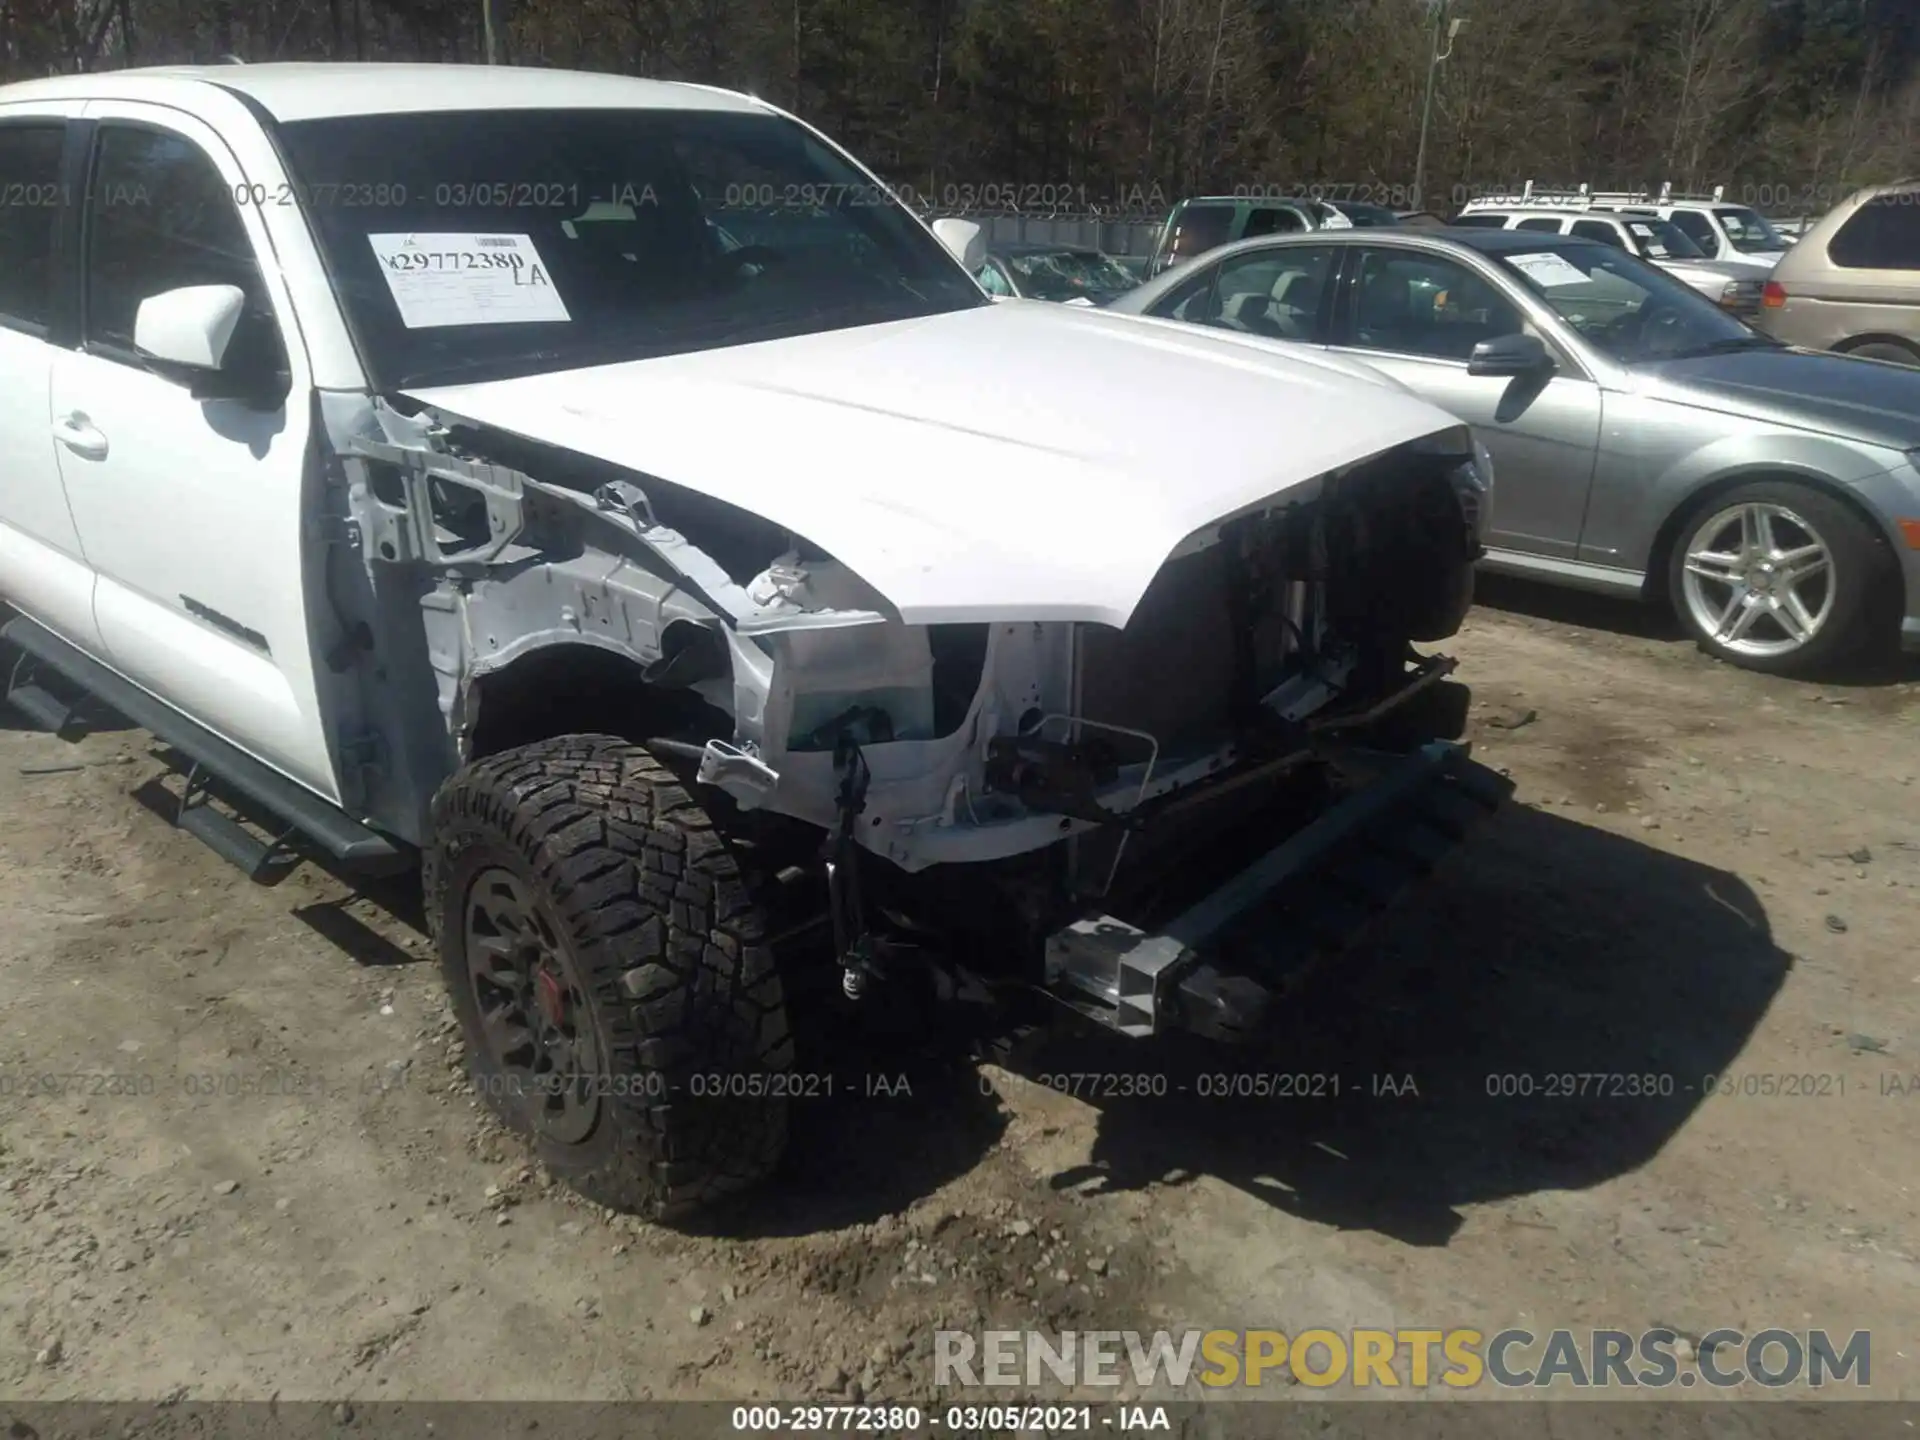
658	921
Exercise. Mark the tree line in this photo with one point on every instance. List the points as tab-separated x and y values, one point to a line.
1124	104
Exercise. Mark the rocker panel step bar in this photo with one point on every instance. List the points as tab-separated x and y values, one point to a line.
1313	893
336	833
41	706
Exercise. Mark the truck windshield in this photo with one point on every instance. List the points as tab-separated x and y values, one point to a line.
486	244
1749	230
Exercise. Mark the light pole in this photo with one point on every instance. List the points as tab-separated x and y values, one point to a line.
1435	55
492	20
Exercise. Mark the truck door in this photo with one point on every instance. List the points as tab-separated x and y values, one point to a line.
190	510
43	570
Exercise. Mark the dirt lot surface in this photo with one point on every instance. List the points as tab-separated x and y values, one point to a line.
1705	874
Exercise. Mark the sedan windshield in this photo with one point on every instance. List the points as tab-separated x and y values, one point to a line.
1749	230
1066	274
1624	307
485	244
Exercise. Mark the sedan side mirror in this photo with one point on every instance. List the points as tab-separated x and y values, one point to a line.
964	238
189	327
1510	356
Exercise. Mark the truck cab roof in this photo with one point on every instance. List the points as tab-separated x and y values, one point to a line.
294	91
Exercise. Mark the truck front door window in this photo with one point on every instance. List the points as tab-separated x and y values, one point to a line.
160	217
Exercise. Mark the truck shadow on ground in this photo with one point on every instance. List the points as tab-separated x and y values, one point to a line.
1545	1016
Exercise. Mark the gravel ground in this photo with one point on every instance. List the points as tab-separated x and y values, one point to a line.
1705	873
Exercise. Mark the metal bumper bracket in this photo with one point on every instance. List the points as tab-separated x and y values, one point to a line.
1361	856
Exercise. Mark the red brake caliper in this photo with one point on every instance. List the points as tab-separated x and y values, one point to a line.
552	996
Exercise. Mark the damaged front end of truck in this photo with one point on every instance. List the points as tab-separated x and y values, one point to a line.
1159	824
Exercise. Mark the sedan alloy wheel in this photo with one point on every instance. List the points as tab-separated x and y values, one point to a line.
1780	576
1759	579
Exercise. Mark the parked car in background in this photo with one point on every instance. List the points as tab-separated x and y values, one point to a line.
1645	441
1069	273
1205	222
1658	242
1853	283
1735	234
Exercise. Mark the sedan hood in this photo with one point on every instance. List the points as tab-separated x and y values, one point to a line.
1030	462
1862	400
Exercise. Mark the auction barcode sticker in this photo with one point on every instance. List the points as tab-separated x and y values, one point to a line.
466	279
1545	267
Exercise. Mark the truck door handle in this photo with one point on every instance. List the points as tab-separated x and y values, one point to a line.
79	435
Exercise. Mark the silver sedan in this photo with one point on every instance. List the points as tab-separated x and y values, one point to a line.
1645	442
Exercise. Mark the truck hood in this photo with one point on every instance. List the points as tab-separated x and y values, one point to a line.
1007	462
1806	389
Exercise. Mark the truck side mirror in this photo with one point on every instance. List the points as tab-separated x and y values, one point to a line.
190	327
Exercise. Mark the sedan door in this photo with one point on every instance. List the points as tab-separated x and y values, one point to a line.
1417	315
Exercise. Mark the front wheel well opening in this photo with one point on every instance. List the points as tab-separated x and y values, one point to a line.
1656	589
582	689
1861	342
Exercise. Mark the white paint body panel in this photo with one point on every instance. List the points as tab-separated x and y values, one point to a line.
1007	462
292	90
43	569
201	499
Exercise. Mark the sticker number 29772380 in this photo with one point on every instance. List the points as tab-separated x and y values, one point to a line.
464	279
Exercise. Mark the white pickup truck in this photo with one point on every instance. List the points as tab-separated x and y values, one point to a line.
606	493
